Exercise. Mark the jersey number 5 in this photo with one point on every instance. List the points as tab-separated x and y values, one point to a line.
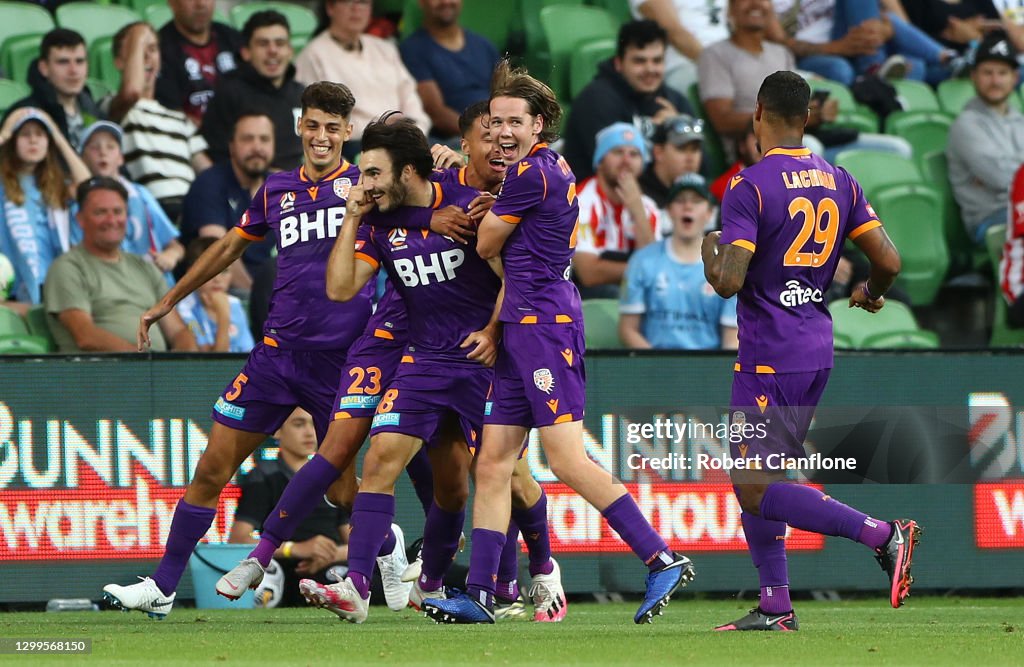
822	222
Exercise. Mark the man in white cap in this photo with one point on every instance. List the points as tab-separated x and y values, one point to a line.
616	218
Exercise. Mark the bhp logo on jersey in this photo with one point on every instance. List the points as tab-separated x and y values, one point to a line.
437	266
324	224
798	295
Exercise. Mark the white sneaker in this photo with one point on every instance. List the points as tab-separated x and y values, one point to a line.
144	596
548	597
341	599
508	608
392	567
417	596
247	574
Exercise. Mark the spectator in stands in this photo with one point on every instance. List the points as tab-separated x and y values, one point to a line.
666	302
628	88
221	194
676	150
986	142
162	148
616	218
747	153
95	292
731	72
35	226
691	25
839	39
955	25
195	51
452	66
58	86
370	66
321	540
265	83
1011	268
149	233
217	319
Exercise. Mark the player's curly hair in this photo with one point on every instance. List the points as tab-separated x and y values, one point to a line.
334	98
474	111
541	100
786	96
404	142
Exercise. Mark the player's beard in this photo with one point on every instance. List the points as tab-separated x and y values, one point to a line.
396	195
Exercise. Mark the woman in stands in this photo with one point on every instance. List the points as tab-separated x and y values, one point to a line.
35	226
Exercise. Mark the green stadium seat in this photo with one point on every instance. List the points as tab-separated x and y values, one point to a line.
855	326
601	323
617	8
842	341
11	92
912	215
855	115
11	323
157	15
915	95
714	151
588	24
23	344
301	21
874	169
93	21
140	6
19	54
865	121
1002	334
497	21
926	131
538	54
101	63
299	42
902	340
954	94
20	19
584	62
963	255
38	325
99	88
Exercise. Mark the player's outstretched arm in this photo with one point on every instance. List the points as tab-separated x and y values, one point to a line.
725	266
345	274
885	266
217	258
492	235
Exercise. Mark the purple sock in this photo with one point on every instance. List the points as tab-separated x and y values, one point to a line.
508	566
390	540
508	590
301	496
441	533
483	564
422	477
533	522
875	533
188	526
807	508
628	521
372	514
768	551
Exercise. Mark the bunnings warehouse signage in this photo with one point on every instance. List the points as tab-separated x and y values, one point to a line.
95	453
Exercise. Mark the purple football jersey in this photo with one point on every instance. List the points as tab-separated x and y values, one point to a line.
448	290
539	197
450	176
793	210
307	217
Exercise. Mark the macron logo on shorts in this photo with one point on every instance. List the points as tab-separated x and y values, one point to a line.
228	410
386	419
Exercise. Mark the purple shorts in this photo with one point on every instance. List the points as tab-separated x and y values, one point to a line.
771	412
274	382
423	391
539	378
369	370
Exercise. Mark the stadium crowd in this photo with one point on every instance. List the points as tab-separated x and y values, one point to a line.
189	109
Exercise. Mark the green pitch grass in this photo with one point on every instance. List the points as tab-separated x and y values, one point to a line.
928	631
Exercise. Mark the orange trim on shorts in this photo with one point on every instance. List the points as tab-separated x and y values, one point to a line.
866	227
407	359
381	333
562	319
764	370
746	245
246	235
736	367
564	419
269	342
510	219
342	415
528	319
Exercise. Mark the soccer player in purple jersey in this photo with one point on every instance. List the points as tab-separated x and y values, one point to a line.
784	221
299	361
485	171
539	377
450	294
